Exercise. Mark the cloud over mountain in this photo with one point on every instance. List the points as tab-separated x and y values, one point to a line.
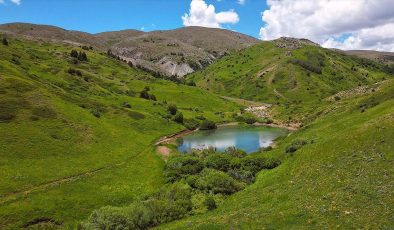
202	14
345	24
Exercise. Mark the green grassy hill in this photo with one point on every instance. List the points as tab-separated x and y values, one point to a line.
75	135
294	75
343	178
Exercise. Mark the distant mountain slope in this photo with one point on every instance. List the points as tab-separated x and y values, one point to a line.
384	57
288	72
174	52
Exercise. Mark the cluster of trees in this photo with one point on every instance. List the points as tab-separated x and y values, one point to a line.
197	182
307	65
81	56
177	115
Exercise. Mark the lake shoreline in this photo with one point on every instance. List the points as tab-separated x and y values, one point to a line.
173	137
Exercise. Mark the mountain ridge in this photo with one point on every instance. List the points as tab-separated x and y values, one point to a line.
167	52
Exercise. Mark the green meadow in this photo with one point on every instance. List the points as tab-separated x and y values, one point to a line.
77	142
70	144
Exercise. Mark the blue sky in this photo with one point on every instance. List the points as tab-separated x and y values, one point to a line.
106	15
343	24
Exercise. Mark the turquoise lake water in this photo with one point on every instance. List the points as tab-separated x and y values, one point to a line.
248	138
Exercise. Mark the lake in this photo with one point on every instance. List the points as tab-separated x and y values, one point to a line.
248	138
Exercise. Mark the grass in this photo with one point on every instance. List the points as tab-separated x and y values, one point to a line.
68	145
296	82
341	179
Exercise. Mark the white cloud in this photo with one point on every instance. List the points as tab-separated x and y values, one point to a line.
241	2
202	14
364	24
17	2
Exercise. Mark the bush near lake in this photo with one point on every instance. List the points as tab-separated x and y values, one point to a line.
295	145
207	125
197	183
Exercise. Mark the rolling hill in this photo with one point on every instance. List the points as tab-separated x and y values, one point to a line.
76	135
296	76
174	52
341	179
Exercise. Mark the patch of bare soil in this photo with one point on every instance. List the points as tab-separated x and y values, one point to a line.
163	151
42	223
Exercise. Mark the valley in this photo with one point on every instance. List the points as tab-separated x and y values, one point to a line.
88	137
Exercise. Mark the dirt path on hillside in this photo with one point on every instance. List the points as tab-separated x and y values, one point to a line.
264	72
8	197
173	137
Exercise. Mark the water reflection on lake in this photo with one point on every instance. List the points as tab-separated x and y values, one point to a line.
248	138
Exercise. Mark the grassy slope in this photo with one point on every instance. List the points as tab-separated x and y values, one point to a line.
344	180
51	134
264	73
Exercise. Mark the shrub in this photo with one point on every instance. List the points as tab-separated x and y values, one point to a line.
250	120
96	113
5	41
200	117
242	175
190	83
307	65
256	163
295	145
207	125
82	56
180	167
74	53
170	203
178	118
191	124
214	181
172	109
133	217
218	161
234	152
74	72
210	203
144	94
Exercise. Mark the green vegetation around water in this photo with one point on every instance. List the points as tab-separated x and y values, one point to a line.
77	139
197	183
74	141
338	175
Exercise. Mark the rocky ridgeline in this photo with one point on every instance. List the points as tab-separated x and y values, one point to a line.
293	43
